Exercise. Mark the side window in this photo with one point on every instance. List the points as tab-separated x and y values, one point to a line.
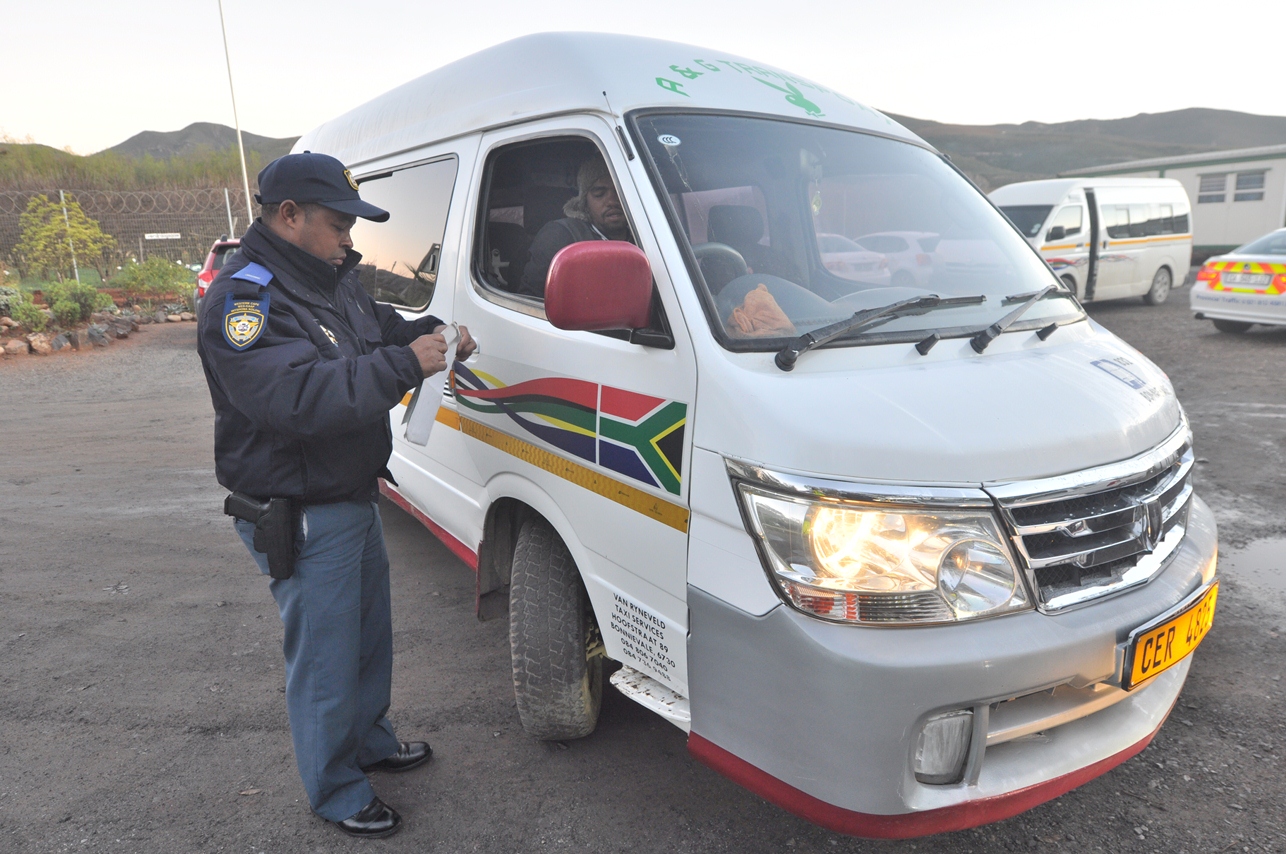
531	207
1116	219
1139	220
400	257
1070	219
1166	219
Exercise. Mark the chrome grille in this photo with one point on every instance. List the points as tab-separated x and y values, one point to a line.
1095	532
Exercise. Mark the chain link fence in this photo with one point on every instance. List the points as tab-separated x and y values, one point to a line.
198	218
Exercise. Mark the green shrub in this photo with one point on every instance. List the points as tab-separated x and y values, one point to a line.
155	277
29	316
86	299
9	297
66	313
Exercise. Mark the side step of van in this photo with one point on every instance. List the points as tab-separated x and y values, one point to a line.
651	694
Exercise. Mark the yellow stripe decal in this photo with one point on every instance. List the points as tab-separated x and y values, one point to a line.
665	512
449	417
1124	241
406	399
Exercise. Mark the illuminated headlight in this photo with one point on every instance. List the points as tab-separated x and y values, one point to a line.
865	563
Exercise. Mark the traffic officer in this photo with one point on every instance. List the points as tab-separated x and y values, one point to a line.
303	368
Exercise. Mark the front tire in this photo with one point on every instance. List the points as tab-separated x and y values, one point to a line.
1161	283
1235	327
1071	285
558	684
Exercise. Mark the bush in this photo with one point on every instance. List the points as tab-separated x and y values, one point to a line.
66	313
84	299
9	297
155	277
29	316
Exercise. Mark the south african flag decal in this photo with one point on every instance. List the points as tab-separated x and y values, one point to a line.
632	434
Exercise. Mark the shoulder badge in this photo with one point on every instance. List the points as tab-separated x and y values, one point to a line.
244	319
257	273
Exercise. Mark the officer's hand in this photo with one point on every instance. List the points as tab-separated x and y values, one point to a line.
466	346
431	351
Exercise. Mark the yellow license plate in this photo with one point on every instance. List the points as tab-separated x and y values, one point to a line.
1157	648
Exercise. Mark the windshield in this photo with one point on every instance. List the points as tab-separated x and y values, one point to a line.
1028	218
794	227
1273	243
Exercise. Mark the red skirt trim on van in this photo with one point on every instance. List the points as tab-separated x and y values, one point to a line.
466	554
907	825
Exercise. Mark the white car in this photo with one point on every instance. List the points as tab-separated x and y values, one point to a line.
1244	287
910	254
848	260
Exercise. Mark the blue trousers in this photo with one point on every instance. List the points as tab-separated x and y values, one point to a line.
339	651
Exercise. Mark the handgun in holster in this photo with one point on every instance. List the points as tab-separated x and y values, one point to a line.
274	522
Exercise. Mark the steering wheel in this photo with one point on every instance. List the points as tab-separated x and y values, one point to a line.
719	263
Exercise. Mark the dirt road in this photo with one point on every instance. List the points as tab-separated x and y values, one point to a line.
141	687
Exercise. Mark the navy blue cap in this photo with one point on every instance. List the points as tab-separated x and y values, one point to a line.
317	179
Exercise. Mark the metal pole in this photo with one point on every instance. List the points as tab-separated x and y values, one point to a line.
62	198
245	177
227	204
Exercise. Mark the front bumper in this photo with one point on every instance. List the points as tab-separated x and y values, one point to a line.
1248	307
823	718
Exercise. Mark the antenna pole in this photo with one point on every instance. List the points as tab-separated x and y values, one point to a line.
245	177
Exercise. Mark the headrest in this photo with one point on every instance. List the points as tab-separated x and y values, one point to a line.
736	225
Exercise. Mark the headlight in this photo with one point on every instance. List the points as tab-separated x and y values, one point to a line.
867	563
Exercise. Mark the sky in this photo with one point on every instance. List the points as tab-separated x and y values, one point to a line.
89	74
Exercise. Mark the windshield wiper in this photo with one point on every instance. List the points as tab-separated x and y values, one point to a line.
789	354
983	337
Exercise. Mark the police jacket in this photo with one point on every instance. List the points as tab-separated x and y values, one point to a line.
303	368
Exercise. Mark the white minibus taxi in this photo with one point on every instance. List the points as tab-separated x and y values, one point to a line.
1106	238
900	554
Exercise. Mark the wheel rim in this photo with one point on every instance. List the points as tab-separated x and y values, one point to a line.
1160	286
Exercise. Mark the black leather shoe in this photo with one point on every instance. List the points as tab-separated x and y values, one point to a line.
374	821
410	754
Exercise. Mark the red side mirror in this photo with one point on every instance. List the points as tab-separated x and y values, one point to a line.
599	284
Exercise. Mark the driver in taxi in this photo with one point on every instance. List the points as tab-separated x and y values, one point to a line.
594	213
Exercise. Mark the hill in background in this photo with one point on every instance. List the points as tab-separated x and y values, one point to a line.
995	155
197	137
198	156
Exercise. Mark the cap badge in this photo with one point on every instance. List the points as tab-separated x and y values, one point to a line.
349	176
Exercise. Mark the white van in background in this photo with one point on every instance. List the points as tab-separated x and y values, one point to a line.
1106	238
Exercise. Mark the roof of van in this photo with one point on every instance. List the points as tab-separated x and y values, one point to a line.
552	73
1053	190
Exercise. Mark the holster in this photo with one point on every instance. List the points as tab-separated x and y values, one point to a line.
274	522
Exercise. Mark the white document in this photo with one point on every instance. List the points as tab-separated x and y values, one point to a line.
422	411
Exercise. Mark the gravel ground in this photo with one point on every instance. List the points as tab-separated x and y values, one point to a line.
142	700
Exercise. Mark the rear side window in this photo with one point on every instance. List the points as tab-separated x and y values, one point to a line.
400	257
223	256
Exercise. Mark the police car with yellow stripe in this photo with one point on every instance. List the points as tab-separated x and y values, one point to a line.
1244	287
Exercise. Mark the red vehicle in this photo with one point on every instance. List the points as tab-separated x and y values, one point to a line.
223	249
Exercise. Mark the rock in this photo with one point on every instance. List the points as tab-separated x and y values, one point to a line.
15	347
60	341
74	337
102	317
98	335
40	345
120	327
174	318
187	315
145	318
159	317
8	322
